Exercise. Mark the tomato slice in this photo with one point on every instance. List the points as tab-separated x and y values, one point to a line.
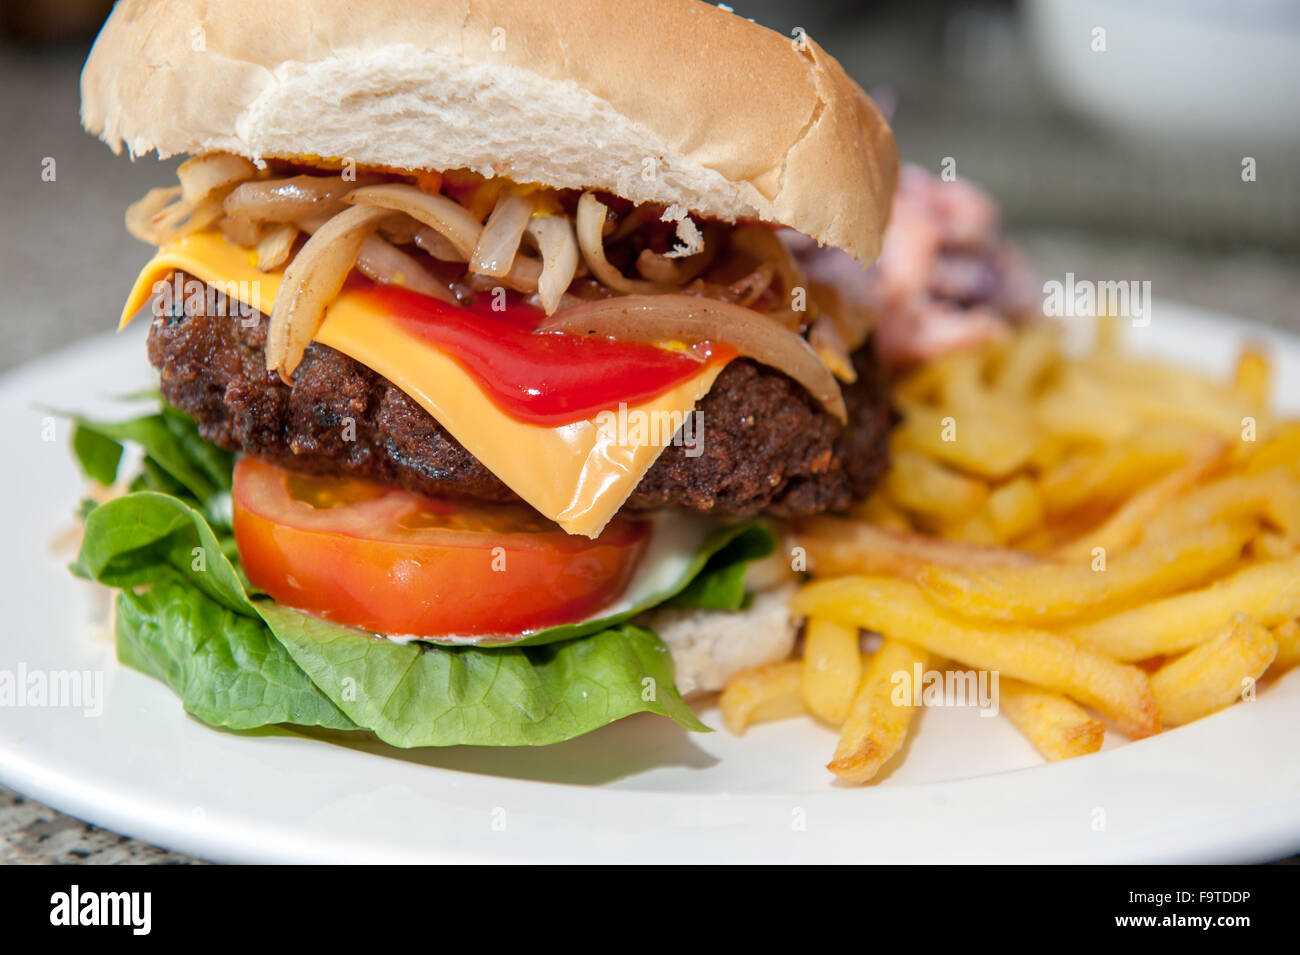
405	564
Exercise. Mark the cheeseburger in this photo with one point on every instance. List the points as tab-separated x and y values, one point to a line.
496	340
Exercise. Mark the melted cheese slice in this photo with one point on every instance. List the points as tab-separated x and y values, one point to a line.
578	474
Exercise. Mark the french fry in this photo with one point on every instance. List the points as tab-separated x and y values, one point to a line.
1012	464
974	443
1055	592
876	727
832	669
1014	509
1109	474
1053	450
880	511
919	484
765	693
961	385
1273	494
1133	518
976	529
1056	726
1213	675
1270	545
1268	593
1026	360
1283	511
1281	449
1287	635
1252	379
1079	408
1157	392
900	609
837	546
921	384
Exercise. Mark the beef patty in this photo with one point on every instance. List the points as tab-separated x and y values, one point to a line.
765	445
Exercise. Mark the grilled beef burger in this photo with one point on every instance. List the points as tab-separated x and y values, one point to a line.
496	340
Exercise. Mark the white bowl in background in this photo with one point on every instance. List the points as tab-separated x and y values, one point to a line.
1208	71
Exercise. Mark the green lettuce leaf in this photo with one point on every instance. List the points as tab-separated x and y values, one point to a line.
415	694
98	454
188	617
719	583
177	461
227	668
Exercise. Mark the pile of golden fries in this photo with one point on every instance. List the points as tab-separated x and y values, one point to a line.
1117	539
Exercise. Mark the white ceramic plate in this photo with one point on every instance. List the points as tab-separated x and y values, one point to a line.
970	789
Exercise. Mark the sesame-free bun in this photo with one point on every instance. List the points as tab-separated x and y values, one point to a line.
671	101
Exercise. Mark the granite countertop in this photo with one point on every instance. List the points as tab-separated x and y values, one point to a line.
80	212
33	834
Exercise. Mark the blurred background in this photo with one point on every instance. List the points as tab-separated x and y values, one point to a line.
1124	139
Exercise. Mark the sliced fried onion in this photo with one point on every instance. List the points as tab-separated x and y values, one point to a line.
688	318
664	270
764	245
273	251
591	225
287	200
401	230
313	280
380	260
152	219
748	289
499	241
559	248
141	213
182	218
165	214
437	245
439	213
241	230
524	274
203	175
383	262
825	339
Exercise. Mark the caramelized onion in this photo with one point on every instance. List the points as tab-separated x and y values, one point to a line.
524	274
380	260
437	245
559	247
747	290
439	213
401	230
140	214
165	214
287	200
241	230
182	218
313	280
497	244
591	225
688	318
384	262
825	339
765	246
274	248
203	175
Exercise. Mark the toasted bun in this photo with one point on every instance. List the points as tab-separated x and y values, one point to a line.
671	101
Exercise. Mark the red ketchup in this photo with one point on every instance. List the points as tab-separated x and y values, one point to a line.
551	379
